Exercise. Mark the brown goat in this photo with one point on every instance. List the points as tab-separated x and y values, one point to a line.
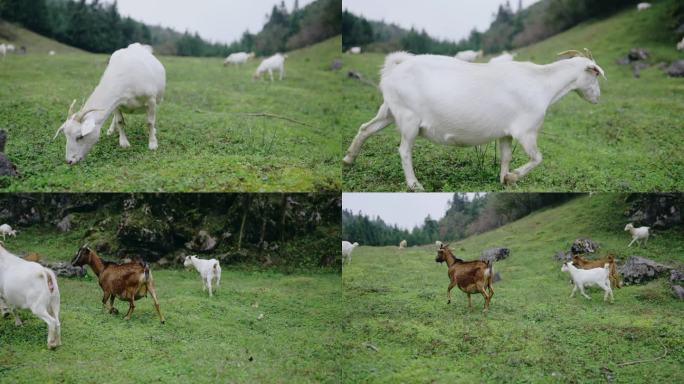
470	276
613	276
128	281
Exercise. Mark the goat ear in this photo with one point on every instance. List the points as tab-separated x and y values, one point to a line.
593	70
87	127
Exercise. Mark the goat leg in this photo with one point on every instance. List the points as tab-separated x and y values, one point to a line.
451	285
153	292
131	307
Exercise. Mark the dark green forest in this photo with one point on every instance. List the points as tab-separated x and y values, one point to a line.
510	28
465	216
98	27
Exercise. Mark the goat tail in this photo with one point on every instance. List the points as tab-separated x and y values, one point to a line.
50	281
146	271
392	60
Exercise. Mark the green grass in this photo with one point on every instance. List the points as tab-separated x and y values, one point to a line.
204	340
396	302
628	142
206	140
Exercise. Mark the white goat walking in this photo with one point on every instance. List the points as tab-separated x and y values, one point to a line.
347	249
28	285
640	235
209	270
588	277
133	82
456	103
275	62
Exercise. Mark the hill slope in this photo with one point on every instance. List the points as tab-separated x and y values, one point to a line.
35	44
534	332
628	142
207	140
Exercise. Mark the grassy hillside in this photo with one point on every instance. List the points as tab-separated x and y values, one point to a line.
628	142
395	301
207	142
35	44
204	340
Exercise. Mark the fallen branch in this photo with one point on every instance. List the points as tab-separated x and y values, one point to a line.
371	346
274	116
646	360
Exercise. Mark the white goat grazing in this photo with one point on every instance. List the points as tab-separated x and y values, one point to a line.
680	45
403	244
238	58
640	235
643	6
275	62
3	50
10	48
52	53
134	82
469	56
347	249
28	285
503	57
588	277
209	270
6	230
354	50
456	103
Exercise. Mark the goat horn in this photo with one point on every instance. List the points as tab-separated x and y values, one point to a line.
71	108
60	129
81	115
588	55
572	53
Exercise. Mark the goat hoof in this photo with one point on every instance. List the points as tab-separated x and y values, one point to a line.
510	178
416	187
348	161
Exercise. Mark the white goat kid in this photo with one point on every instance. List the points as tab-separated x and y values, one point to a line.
29	285
238	58
275	62
209	270
6	230
589	277
456	103
134	82
347	249
640	235
643	6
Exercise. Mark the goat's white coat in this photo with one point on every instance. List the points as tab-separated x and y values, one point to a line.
680	45
640	235
275	62
355	50
6	230
209	270
588	277
52	53
3	50
456	103
347	249
10	47
403	244
468	56
643	6
26	285
133	82
238	58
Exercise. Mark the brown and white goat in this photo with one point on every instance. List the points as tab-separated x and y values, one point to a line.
470	276
127	281
584	263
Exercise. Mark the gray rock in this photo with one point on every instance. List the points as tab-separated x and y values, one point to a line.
582	246
563	256
163	262
637	270
676	69
202	242
636	54
64	269
497	277
336	65
676	276
678	291
64	225
495	254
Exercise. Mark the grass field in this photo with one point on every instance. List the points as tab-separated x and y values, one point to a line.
204	340
207	142
628	142
395	302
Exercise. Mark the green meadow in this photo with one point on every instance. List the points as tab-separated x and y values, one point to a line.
398	326
218	130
